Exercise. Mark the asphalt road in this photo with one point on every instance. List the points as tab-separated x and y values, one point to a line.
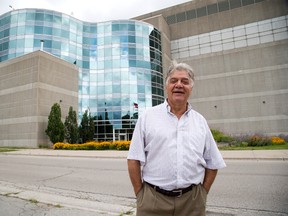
39	185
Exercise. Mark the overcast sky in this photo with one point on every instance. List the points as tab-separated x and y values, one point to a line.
93	10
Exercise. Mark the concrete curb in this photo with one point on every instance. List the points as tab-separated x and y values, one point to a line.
227	155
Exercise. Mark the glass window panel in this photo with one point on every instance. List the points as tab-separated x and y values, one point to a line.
223	6
101	77
107	64
20	43
227	34
133	89
181	17
100	29
116	63
65	34
253	41
65	20
48	17
29	29
265	27
108	89
227	46
239	32
116	88
171	19
39	17
56	32
141	89
30	16
47	30
115	27
125	89
235	4
100	41
279	24
48	43
266	38
107	40
201	12
247	2
101	89
73	37
13	31
211	9
12	44
241	43
57	19
191	14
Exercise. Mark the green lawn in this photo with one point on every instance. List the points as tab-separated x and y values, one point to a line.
271	147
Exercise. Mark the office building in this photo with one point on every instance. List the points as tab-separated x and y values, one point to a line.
238	49
120	62
29	85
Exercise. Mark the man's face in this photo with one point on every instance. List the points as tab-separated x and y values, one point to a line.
179	87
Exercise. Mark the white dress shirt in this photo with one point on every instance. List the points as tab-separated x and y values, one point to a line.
174	152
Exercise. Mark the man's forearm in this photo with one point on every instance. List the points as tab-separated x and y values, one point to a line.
209	178
135	174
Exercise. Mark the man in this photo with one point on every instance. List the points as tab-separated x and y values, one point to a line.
176	150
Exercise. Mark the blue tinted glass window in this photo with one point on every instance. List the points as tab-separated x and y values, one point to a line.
20	43
56	45
30	16
107	40
37	43
57	19
21	30
12	44
39	17
131	39
29	42
38	29
65	34
48	17
131	27
21	17
100	29
115	27
14	18
47	30
13	31
65	20
29	30
56	32
101	89
48	44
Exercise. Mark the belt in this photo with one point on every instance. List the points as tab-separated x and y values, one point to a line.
173	193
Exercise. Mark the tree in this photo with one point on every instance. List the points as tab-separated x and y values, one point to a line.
86	128
71	127
55	128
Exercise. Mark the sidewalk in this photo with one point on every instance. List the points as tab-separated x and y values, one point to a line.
230	155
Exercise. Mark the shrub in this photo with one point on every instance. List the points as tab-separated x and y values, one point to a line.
257	140
116	145
277	140
221	137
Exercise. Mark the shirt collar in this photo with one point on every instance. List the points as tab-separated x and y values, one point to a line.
189	107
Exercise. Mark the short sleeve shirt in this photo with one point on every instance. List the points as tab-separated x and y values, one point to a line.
174	152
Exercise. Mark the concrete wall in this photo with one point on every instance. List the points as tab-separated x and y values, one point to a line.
29	86
240	90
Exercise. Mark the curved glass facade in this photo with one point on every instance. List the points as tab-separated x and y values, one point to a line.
120	62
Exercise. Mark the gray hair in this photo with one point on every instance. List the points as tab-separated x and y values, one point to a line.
180	66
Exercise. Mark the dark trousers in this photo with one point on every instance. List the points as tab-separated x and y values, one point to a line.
153	203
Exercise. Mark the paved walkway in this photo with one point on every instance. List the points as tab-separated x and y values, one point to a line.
237	155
